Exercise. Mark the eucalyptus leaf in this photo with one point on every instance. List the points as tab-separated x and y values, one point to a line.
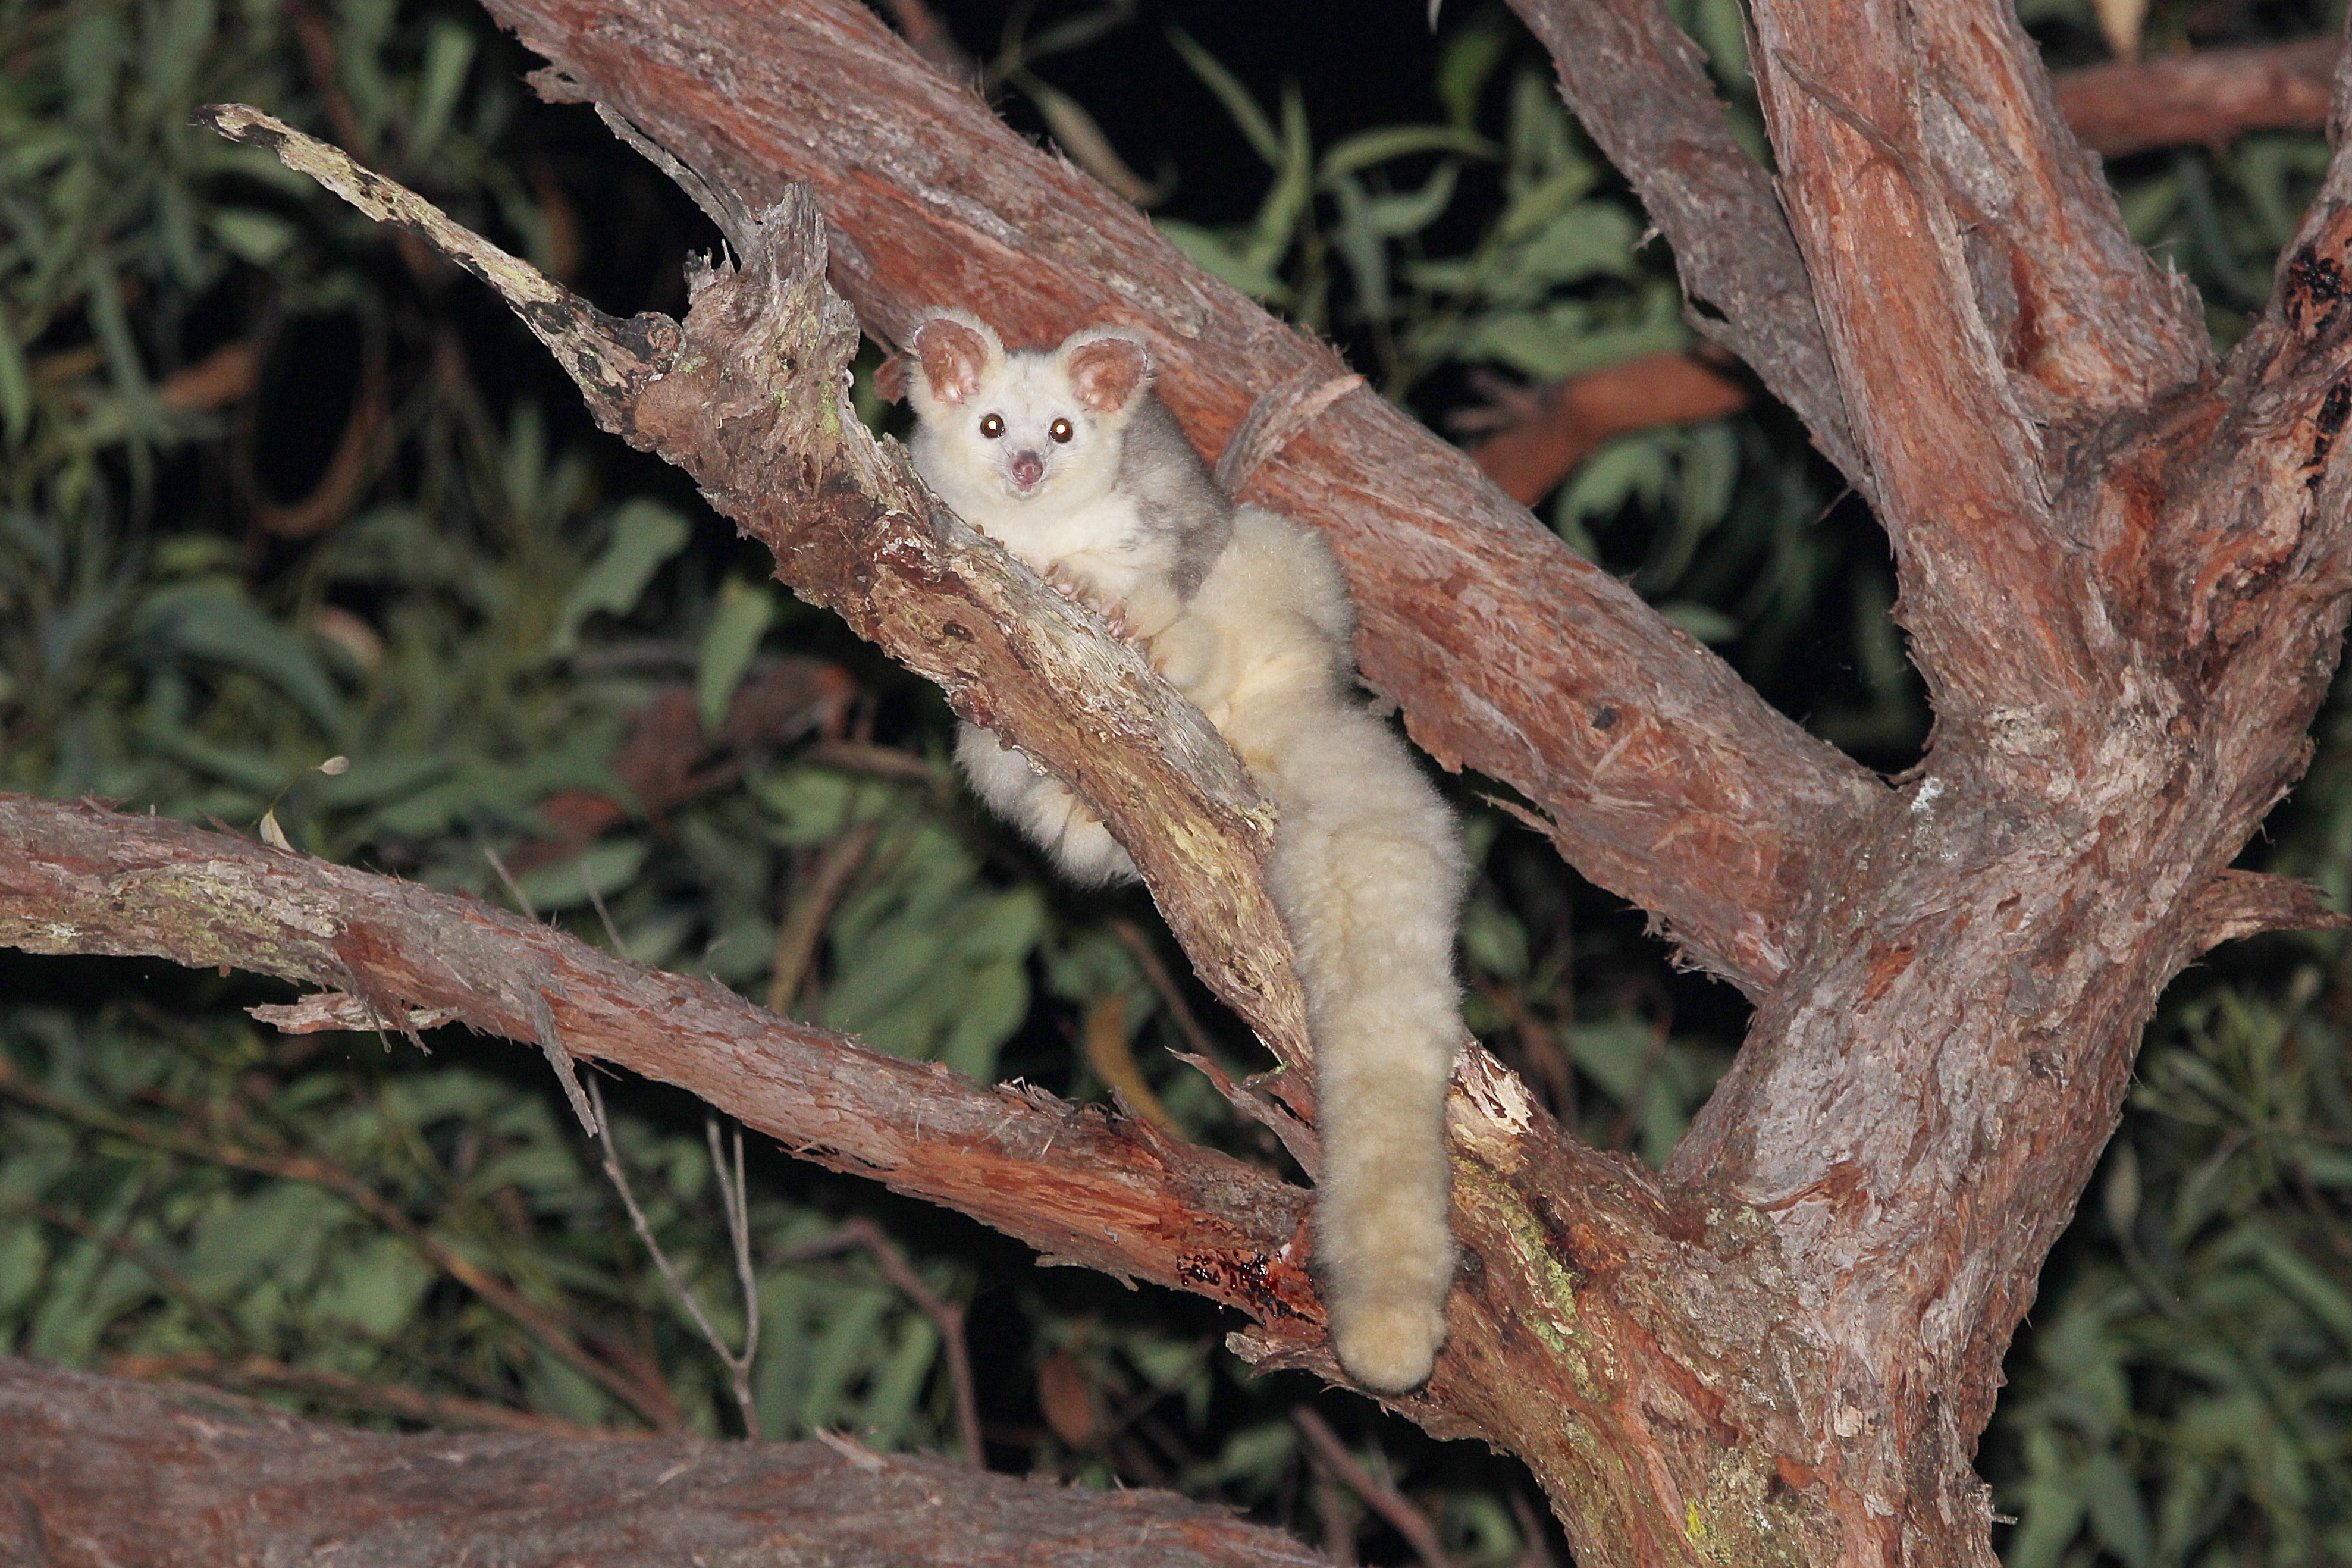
744	613
211	619
644	535
604	870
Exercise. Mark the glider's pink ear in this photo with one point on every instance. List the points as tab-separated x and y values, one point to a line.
891	377
1107	369
954	352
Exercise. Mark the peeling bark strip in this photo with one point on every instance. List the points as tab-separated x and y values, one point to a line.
1665	779
97	1472
1072	1181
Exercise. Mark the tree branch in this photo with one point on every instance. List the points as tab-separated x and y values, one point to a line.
98	1471
1547	431
1980	289
1665	779
1074	1181
2211	96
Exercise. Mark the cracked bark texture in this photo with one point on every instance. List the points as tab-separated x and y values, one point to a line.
2123	569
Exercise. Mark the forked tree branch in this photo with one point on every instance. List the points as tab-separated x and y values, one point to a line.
2128	582
1637	1289
1664	776
750	396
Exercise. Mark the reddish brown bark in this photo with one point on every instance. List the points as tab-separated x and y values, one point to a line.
1572	420
96	1473
2213	96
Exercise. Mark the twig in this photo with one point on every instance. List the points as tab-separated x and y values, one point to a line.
1147	958
1103	1039
929	37
1539	1047
655	1407
446	1410
739	1366
542	1016
1384	1499
1338	1516
514	889
865	757
946	1316
803	927
164	1274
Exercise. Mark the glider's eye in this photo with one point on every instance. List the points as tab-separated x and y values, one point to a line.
991	426
1061	431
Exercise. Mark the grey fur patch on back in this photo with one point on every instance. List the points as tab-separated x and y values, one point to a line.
1173	491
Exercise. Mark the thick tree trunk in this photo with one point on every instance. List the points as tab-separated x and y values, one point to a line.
2123	573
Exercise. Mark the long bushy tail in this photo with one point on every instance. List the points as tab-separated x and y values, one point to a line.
1368	870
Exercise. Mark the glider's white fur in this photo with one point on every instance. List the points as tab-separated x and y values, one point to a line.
1068	460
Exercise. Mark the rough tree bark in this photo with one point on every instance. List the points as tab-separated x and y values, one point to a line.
2123	573
96	1471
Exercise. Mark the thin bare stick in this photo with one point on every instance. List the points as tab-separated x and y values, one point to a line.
1384	1500
803	927
865	757
946	1316
1338	1516
447	1411
542	1017
1130	936
612	931
739	1367
514	889
735	1197
1103	1039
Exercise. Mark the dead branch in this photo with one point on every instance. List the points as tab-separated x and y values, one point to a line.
737	1363
947	1317
95	1471
1666	779
1331	1455
2210	97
